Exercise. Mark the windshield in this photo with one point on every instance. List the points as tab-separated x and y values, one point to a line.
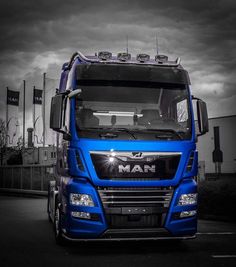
137	111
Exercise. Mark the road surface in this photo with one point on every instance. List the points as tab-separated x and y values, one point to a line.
26	239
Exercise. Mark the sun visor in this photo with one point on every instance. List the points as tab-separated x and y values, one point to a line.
131	73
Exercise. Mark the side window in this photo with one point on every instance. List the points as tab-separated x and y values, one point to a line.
182	111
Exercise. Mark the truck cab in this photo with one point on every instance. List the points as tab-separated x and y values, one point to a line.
126	149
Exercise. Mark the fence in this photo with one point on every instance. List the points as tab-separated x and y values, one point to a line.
26	177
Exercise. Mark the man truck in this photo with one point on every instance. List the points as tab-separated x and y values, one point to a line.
126	149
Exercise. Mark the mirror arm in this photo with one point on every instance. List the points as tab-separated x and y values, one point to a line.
195	98
66	136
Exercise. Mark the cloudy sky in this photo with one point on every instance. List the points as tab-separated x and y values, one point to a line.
38	36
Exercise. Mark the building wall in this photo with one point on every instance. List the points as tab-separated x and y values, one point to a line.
205	145
39	155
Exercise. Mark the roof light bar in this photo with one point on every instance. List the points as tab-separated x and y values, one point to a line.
104	55
107	55
123	56
143	57
161	58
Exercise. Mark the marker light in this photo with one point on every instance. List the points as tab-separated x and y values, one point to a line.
104	55
143	57
123	56
81	215
190	162
161	58
79	161
188	199
81	200
189	213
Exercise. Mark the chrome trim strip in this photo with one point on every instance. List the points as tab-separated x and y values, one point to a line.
136	191
112	197
136	202
130	154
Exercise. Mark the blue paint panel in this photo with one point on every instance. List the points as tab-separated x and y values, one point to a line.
187	226
87	145
79	228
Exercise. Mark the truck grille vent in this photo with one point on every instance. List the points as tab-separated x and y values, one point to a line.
135	208
136	197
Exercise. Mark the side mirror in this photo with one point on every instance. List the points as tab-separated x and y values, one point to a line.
202	117
57	112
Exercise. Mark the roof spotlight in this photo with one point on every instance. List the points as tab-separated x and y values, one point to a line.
161	58
143	57
123	56
104	55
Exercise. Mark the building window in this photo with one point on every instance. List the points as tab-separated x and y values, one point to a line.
45	155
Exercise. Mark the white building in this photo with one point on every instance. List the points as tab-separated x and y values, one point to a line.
227	134
39	155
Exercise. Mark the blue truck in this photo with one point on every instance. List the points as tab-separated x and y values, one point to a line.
126	149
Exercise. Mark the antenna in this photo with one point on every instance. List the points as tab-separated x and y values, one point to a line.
157	45
127	44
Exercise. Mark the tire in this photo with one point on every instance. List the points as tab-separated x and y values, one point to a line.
60	240
48	204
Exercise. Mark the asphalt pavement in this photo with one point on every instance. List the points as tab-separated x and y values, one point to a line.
26	239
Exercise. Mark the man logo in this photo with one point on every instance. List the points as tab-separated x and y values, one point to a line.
137	154
137	168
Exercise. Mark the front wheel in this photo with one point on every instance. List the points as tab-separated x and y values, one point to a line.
48	205
60	240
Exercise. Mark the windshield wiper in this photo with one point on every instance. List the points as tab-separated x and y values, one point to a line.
160	132
109	130
125	130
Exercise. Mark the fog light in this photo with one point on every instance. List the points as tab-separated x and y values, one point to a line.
81	200
189	213
188	199
81	215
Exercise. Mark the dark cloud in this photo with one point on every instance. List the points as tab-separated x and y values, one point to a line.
38	36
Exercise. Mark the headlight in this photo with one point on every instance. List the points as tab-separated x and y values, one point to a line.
81	200
188	199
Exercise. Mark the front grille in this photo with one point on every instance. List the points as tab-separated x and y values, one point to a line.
135	207
135	165
135	197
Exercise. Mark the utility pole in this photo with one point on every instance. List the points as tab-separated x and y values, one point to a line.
44	97
33	115
127	44
23	113
7	118
157	49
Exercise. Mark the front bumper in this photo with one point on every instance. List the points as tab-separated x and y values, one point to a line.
132	235
91	230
